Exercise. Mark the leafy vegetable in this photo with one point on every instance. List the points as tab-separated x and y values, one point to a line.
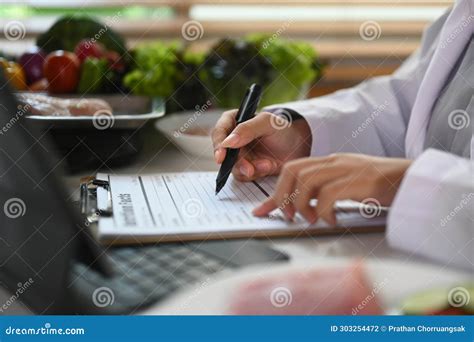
296	60
70	30
295	63
190	93
283	67
229	69
155	71
168	70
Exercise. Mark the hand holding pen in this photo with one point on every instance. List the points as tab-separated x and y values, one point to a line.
264	140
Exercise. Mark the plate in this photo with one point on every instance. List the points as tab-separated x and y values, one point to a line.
129	112
399	280
178	127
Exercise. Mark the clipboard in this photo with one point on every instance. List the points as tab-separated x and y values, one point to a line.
88	199
111	230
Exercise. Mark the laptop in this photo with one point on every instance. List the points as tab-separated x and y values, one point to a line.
49	259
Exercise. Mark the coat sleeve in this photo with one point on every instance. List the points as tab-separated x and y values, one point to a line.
436	220
372	117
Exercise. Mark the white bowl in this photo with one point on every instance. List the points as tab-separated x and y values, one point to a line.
179	128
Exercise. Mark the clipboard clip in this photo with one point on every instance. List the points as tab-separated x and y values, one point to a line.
88	199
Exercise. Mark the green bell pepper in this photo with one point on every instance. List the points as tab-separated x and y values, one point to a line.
93	72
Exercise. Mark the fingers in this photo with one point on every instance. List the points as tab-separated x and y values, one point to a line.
265	167
329	194
265	208
219	155
301	181
227	135
329	179
248	170
224	126
243	170
248	131
285	189
309	182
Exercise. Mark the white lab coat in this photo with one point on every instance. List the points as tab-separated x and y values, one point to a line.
432	214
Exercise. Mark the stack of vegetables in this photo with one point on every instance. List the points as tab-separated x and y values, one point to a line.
81	55
282	67
75	55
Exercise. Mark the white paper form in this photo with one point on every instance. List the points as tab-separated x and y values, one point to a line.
185	203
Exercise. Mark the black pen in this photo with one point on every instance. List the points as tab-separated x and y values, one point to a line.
247	109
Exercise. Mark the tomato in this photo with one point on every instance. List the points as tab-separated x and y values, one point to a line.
61	69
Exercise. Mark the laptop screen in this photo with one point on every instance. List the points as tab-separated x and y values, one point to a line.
38	235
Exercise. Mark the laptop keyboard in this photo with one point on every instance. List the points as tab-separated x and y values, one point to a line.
144	275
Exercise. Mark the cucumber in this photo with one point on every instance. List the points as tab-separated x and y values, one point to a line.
436	300
426	302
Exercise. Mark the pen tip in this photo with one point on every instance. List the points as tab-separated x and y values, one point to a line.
218	188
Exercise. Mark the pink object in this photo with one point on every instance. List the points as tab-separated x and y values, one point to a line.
335	291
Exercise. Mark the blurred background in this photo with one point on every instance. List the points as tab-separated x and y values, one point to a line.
354	39
192	56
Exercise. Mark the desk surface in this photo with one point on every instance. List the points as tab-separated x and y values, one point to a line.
160	155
